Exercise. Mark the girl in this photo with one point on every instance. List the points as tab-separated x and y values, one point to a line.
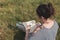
48	29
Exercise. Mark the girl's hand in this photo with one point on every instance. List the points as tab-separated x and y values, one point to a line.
37	29
28	28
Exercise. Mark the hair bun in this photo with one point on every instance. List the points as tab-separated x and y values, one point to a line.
51	9
49	5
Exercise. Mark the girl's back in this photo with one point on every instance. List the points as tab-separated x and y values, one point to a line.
45	33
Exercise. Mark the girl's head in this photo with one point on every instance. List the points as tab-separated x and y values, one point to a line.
45	11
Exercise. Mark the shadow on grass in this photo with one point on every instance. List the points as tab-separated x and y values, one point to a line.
59	25
19	35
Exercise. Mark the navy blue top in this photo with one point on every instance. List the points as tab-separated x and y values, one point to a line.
45	33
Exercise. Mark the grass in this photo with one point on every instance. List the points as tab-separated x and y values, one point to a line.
13	11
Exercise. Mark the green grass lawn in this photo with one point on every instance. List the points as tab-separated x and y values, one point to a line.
13	11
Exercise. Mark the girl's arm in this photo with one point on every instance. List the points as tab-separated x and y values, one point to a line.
26	35
27	32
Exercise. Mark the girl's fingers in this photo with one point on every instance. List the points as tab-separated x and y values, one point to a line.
28	27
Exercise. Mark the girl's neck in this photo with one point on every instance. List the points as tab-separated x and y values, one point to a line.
48	23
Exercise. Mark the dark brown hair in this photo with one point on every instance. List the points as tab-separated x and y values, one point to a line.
45	10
